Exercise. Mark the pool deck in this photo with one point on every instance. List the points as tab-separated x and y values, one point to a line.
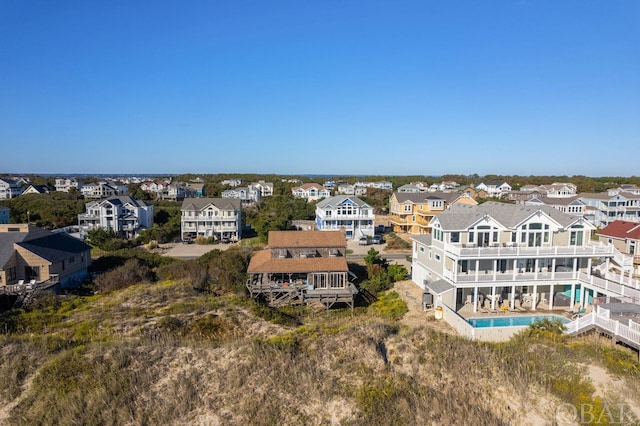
466	311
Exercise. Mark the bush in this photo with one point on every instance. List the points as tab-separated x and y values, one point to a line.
397	272
132	272
389	305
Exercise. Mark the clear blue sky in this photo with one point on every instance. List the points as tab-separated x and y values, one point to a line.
327	87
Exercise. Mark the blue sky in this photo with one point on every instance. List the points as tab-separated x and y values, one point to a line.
392	87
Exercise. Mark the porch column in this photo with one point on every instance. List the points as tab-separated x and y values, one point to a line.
551	297
512	301
583	296
534	298
477	268
553	268
575	267
515	269
475	299
589	266
536	267
493	298
495	268
573	296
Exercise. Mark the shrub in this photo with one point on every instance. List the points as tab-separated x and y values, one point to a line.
389	305
397	272
132	272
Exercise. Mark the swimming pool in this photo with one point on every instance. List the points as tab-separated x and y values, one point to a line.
522	320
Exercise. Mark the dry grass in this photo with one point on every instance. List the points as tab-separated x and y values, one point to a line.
165	354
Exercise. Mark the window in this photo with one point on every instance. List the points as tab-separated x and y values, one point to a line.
455	237
406	208
437	256
421	249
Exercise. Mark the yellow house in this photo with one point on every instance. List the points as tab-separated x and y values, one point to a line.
412	212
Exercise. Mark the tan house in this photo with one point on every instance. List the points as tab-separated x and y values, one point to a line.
412	212
298	266
625	237
29	254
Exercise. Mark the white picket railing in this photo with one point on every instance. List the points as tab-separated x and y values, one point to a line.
601	319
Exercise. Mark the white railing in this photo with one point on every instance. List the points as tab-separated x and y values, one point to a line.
601	319
508	276
517	251
612	287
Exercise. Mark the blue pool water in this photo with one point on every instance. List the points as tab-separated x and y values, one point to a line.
524	320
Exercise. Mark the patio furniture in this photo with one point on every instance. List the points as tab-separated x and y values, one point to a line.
468	300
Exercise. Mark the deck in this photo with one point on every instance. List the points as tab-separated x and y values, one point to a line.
279	294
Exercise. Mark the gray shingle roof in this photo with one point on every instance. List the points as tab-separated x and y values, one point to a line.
201	203
339	199
460	216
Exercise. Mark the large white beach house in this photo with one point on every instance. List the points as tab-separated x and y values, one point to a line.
481	258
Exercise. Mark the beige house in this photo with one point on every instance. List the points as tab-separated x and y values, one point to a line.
412	212
302	265
35	255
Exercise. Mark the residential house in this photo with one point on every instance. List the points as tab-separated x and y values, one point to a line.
66	184
232	182
265	188
4	214
412	212
330	185
298	266
310	191
248	195
9	188
100	190
194	189
443	186
615	204
410	188
124	215
554	190
495	189
35	255
220	218
625	237
569	205
386	185
174	191
154	187
479	257
349	189
472	192
36	189
345	213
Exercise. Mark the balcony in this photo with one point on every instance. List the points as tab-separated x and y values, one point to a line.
506	252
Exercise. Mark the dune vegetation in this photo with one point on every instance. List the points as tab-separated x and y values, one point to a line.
168	351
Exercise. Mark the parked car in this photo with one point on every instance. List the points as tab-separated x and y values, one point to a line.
225	241
187	240
364	241
377	239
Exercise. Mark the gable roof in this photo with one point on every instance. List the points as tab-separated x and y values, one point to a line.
622	229
52	246
201	203
262	261
298	239
339	199
55	247
422	197
461	216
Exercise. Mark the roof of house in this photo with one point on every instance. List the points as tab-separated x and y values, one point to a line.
46	244
307	186
422	197
201	203
622	229
55	247
439	286
262	261
461	216
562	201
285	239
339	199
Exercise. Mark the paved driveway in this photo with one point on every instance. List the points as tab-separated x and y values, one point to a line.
190	251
